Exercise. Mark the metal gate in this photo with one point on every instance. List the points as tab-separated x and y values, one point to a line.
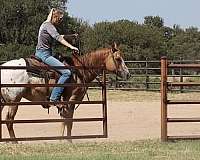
102	102
165	101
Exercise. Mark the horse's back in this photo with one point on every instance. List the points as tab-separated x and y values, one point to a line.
12	76
17	75
15	62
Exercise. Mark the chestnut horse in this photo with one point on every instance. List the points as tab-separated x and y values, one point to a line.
109	57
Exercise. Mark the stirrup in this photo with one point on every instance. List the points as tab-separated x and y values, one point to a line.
57	105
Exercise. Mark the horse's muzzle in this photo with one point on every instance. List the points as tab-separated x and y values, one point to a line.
124	75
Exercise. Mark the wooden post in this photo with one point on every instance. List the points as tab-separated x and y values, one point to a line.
147	76
116	82
1	106
163	90
173	73
181	76
105	129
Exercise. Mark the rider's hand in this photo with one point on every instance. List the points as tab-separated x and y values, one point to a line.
76	50
75	35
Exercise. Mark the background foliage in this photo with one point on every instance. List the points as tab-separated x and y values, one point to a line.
20	22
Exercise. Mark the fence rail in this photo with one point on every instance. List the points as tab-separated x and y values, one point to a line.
102	102
146	75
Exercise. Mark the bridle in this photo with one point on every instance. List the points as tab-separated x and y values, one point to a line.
74	54
115	63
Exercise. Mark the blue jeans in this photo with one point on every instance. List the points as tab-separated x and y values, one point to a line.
46	57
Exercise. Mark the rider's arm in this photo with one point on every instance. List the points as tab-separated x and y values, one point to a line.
65	43
60	38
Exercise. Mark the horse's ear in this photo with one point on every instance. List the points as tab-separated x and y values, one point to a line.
114	47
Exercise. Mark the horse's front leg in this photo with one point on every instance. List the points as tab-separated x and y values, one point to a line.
12	110
67	113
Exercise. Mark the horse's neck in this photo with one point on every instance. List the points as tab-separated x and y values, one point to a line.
95	59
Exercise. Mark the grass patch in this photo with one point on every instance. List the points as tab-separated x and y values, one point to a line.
121	95
138	150
140	96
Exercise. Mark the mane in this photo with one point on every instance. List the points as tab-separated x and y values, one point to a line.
95	58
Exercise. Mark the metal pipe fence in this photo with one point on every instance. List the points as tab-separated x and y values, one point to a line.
165	102
102	102
146	76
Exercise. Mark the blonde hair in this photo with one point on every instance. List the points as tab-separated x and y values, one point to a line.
54	13
49	17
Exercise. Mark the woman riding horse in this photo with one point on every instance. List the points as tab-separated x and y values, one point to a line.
47	33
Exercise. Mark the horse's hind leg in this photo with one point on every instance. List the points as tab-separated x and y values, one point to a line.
12	110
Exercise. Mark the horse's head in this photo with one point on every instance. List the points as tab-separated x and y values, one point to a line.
115	63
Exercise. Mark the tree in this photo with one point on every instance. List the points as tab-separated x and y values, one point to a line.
20	22
154	21
62	4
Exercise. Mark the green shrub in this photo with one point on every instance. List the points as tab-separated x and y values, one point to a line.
14	51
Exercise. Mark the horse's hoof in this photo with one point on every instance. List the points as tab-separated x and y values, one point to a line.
46	106
70	141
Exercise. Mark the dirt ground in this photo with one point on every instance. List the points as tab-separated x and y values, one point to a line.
126	121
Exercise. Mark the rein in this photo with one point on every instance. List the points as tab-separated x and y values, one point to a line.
85	89
116	66
84	81
77	58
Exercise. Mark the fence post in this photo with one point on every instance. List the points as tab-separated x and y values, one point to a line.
1	106
146	73
116	82
173	73
163	90
181	76
105	129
